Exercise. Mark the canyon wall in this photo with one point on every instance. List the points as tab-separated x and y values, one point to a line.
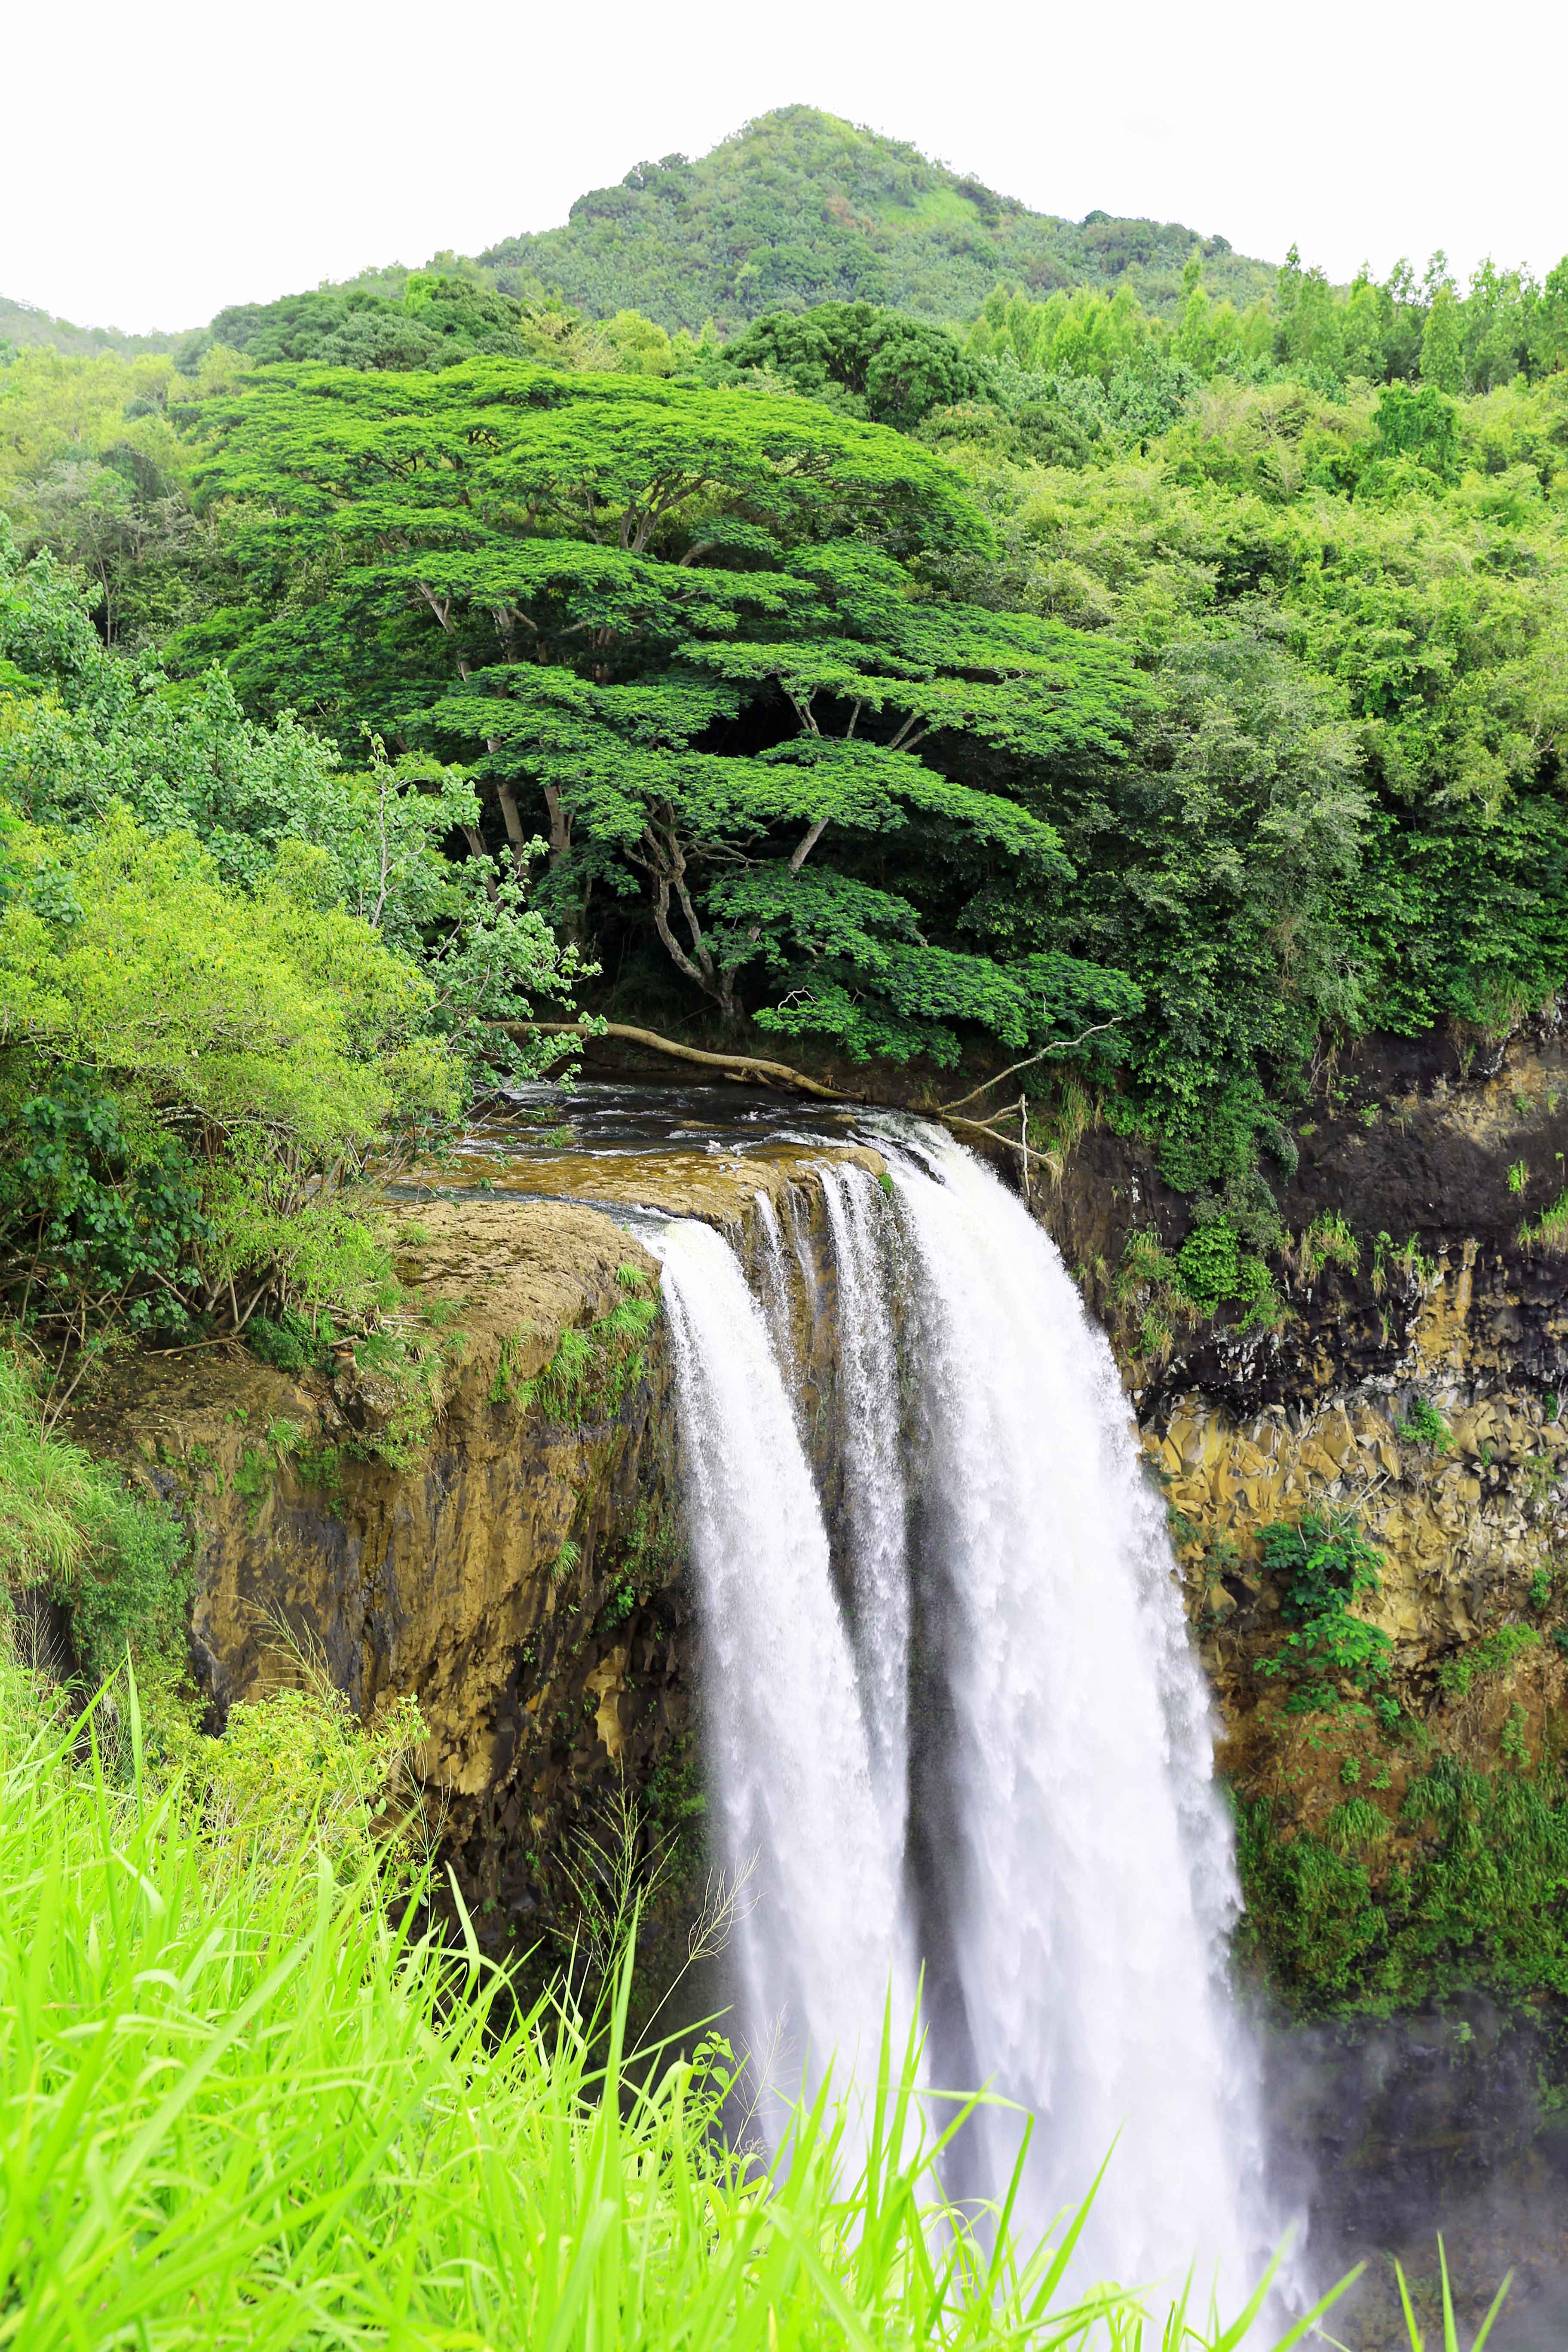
512	1559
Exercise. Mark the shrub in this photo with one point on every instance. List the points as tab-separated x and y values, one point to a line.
1323	1565
189	1079
1424	1426
69	1527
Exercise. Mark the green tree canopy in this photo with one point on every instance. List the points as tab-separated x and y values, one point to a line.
698	629
869	361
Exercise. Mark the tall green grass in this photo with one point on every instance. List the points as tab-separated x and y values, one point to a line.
247	2099
71	1528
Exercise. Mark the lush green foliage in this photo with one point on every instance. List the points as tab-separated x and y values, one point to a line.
1231	719
1506	326
71	1532
688	620
91	467
231	974
24	327
800	208
244	2093
1347	809
865	360
180	1067
435	319
1323	1565
1466	1890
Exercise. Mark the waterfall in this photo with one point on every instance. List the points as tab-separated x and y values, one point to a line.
988	1746
1087	1894
817	1938
874	1494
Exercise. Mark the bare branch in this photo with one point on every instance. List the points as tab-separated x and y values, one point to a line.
1062	1046
734	1065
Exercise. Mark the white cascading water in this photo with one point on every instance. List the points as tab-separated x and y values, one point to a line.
874	1498
1067	1877
788	1755
1092	1887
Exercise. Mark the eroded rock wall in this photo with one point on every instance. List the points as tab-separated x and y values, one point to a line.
518	1570
1448	1302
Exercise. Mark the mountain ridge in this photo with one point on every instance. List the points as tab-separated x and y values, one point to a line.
797	206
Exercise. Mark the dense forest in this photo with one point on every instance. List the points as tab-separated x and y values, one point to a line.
800	208
1163	687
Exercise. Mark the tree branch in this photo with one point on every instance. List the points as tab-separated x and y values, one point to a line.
1063	1046
975	1127
679	956
733	1065
809	842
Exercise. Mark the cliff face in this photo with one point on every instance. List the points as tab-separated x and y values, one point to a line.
485	1514
1419	1378
515	1566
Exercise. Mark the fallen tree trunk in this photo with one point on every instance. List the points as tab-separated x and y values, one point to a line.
733	1065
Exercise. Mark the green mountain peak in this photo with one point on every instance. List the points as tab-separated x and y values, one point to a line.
800	207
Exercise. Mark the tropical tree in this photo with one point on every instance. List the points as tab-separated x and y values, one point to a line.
699	631
867	360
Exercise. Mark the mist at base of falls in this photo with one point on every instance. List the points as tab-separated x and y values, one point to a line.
953	1721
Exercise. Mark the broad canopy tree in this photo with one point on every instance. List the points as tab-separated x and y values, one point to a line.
699	636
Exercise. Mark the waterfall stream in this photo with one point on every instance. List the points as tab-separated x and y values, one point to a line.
963	1727
818	1938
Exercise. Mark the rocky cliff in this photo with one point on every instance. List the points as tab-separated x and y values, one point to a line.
481	1509
1414	1382
481	1514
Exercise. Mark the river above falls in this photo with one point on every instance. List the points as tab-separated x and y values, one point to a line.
704	1151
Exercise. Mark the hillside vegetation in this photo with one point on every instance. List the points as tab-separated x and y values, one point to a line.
801	207
24	327
1165	700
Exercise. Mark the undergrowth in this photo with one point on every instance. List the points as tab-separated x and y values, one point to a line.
1462	1889
73	1531
1493	1654
248	2095
1550	1230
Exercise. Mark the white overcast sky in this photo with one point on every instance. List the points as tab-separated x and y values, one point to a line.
163	160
